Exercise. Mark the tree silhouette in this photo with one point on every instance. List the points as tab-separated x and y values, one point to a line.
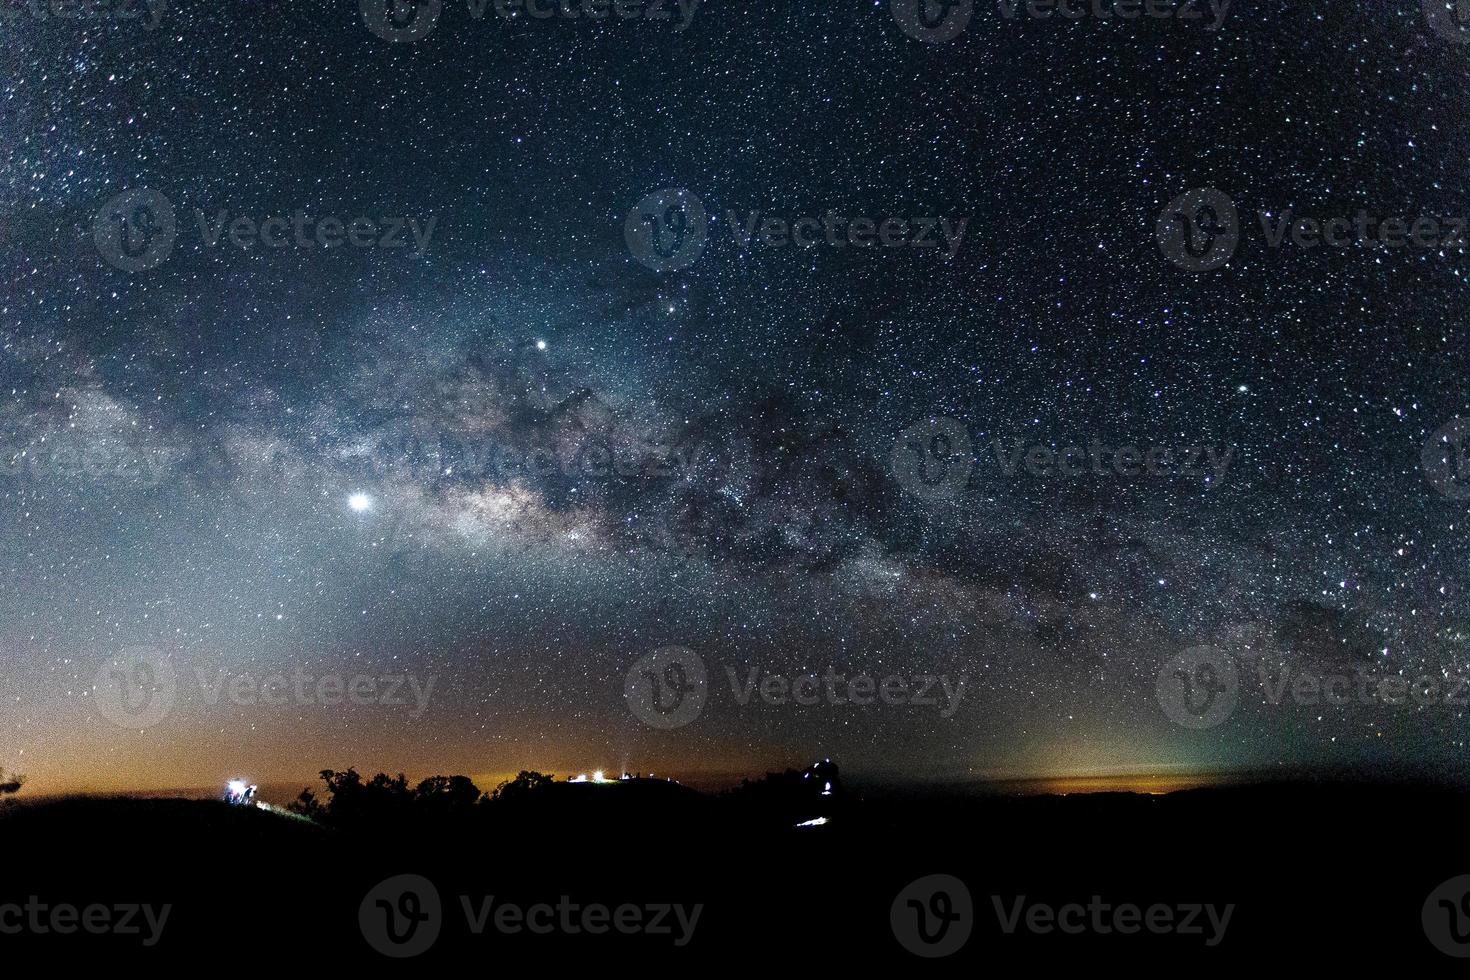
11	784
349	801
306	805
526	783
446	795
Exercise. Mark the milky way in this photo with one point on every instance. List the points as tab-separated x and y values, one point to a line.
483	441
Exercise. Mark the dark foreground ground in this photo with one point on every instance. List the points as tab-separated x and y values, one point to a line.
1322	877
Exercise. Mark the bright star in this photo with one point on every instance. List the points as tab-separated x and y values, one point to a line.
360	502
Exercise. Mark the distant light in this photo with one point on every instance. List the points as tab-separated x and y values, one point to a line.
236	787
578	779
597	777
540	345
818	822
360	502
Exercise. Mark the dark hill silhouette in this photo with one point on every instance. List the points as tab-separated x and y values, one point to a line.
1318	873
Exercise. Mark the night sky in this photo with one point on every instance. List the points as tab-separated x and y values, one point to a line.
254	461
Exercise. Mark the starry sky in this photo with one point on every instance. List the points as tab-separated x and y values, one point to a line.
335	460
